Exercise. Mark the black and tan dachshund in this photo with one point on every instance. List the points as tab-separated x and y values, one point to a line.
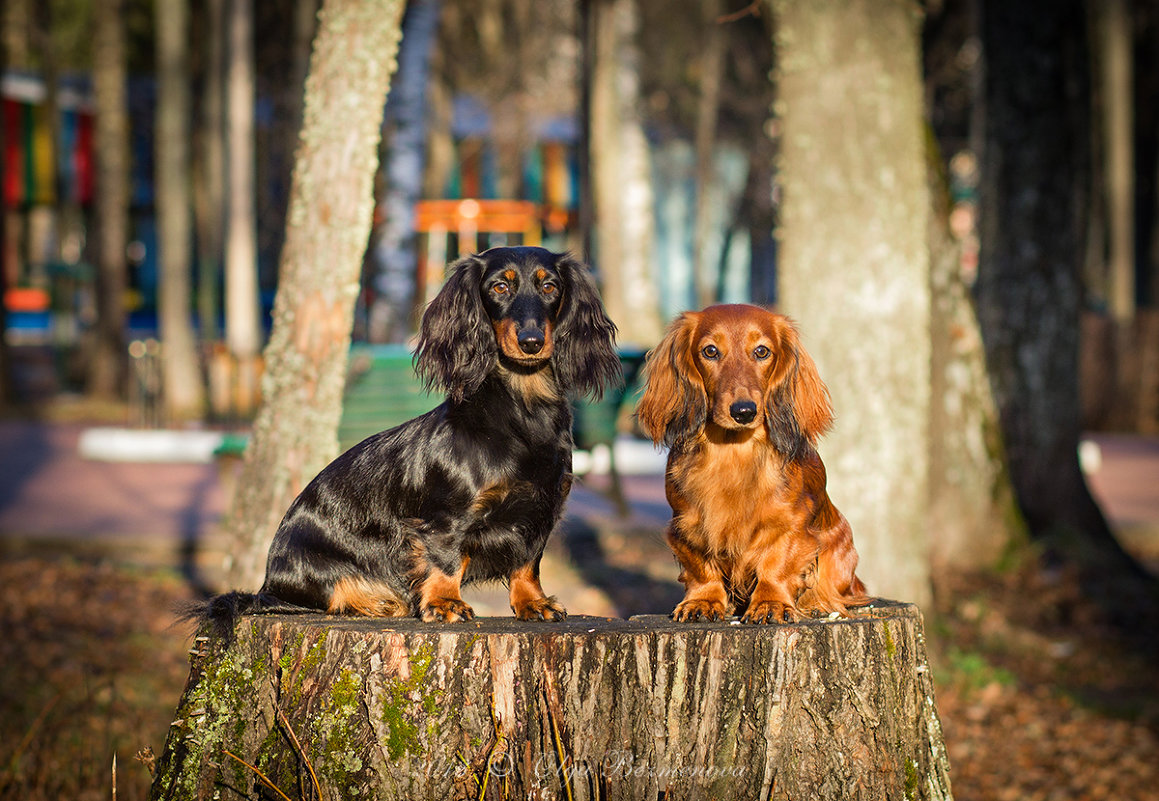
469	491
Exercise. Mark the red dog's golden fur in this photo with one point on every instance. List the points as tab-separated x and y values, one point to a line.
740	404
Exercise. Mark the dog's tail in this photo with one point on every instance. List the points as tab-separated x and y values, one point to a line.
223	611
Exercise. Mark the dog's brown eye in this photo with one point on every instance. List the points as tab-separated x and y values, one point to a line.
500	288
549	288
762	352
710	351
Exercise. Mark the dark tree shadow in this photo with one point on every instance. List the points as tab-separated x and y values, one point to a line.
625	581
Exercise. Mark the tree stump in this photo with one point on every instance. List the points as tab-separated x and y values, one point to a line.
591	708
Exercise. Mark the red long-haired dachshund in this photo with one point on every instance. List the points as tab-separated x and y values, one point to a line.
469	491
741	406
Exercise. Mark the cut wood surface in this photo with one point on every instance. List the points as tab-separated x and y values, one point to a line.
589	708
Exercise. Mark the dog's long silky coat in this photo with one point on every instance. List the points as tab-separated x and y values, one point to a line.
741	406
471	490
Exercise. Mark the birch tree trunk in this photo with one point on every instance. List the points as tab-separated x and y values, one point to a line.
108	362
331	201
243	330
184	389
585	709
855	265
621	177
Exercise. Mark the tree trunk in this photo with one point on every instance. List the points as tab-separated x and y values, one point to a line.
243	331
15	25
854	269
108	362
621	177
295	434
972	505
1115	57
393	252
184	390
591	708
1033	206
209	178
707	110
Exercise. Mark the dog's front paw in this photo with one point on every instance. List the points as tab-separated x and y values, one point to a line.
446	610
539	609
770	612
688	611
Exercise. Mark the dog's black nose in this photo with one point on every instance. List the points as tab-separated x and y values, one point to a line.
531	341
744	412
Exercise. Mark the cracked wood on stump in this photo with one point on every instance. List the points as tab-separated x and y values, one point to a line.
604	709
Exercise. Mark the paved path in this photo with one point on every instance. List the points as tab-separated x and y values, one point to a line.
169	513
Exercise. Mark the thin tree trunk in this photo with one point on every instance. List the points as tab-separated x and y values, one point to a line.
621	177
17	21
331	203
183	387
209	179
1115	39
1033	205
242	326
108	363
393	253
854	267
708	108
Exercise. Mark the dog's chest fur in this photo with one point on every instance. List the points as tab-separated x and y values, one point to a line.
716	488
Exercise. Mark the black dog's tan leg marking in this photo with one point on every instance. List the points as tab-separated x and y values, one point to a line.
358	595
440	598
528	600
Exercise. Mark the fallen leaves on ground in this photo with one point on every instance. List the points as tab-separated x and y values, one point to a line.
1041	699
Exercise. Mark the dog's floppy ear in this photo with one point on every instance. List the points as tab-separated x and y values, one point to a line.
456	348
585	358
797	406
674	406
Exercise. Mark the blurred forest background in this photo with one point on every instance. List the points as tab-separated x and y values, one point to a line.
958	200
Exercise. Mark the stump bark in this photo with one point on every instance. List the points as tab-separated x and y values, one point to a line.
591	708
